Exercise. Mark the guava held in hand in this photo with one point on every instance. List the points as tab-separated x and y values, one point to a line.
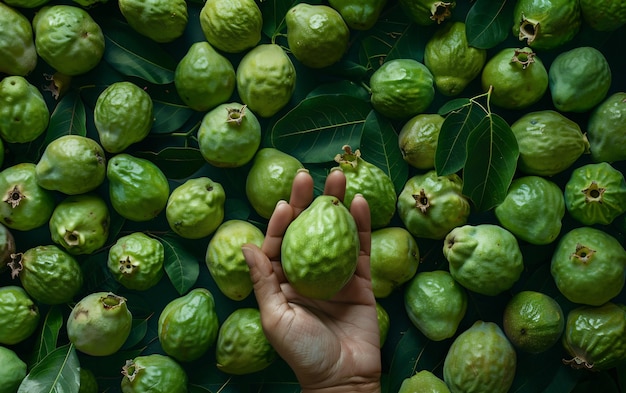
317	35
320	248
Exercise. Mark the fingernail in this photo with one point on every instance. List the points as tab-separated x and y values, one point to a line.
359	195
336	168
249	256
281	202
303	170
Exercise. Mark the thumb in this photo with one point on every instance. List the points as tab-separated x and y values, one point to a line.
265	281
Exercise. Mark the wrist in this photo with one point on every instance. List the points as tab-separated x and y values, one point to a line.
366	387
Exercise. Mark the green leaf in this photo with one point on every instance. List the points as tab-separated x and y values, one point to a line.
47	339
137	332
539	372
274	12
451	146
180	265
492	154
342	87
110	366
563	381
393	37
488	23
453	105
135	55
379	146
169	116
319	126
59	372
68	118
175	162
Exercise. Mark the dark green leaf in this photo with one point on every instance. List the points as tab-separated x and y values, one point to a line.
96	273
379	146
342	87
393	37
198	389
68	117
169	117
134	55
563	381
316	129
181	266
175	162
492	154
621	372
453	105
489	22
451	152
137	332
47	339
59	372
110	366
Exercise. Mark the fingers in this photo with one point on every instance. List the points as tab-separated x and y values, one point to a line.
279	221
335	184
361	213
301	192
267	290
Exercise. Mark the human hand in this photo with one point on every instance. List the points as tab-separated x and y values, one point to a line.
331	345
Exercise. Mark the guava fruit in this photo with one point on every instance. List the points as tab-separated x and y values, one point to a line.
229	135
548	142
359	14
18	55
242	347
204	78
435	303
153	373
418	138
430	206
270	178
533	321
49	274
80	223
13	370
484	258
136	261
320	248
57	167
606	129
188	325
595	336
68	39
24	114
138	189
579	79
19	315
546	24
226	262
196	208
394	259
603	15
7	247
402	88
159	20
517	78
317	35
423	382
451	60
589	266
375	185
123	115
99	324
231	25
428	12
480	359
382	316
26	3
88	381
25	205
533	209
266	79
595	194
